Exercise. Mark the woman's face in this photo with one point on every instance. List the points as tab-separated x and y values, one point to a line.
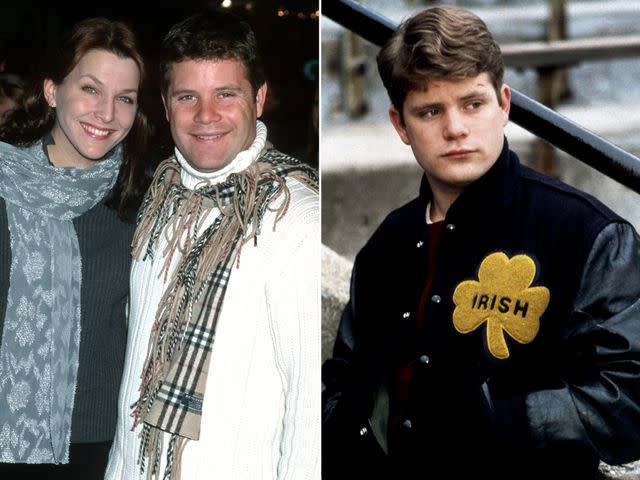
95	108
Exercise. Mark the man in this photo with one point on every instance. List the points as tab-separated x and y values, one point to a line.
220	377
493	326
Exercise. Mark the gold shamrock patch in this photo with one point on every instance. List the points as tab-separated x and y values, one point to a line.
503	298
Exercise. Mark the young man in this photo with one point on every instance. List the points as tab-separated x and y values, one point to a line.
494	325
223	354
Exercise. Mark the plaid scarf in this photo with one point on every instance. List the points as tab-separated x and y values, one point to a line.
175	372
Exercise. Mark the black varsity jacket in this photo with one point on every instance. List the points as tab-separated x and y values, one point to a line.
529	358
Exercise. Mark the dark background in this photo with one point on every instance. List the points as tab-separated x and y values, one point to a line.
287	33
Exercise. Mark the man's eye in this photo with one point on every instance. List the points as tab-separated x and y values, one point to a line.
88	89
432	112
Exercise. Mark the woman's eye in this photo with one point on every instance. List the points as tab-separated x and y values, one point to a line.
127	100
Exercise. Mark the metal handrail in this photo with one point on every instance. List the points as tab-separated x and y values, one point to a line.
543	122
560	53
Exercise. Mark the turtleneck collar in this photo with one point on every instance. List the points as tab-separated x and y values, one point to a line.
191	178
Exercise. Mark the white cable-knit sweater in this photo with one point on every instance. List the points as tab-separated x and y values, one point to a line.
261	409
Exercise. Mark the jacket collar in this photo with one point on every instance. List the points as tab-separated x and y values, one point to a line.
496	189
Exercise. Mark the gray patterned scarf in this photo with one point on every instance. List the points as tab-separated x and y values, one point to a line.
175	373
41	335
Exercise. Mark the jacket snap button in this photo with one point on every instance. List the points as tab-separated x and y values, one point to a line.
420	244
406	315
407	424
436	299
424	359
450	226
363	431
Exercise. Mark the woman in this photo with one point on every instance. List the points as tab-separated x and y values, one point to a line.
71	181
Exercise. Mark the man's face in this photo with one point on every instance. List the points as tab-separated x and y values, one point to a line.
212	111
455	129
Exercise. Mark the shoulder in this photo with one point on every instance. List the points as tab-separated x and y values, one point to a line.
291	221
554	192
554	206
299	200
303	198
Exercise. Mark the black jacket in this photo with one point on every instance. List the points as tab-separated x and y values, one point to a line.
529	358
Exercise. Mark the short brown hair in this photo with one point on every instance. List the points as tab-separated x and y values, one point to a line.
439	43
212	35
